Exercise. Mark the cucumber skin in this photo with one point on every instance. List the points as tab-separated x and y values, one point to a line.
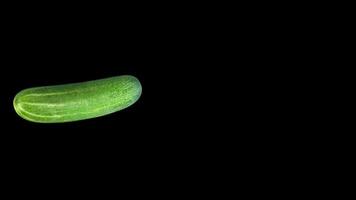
77	101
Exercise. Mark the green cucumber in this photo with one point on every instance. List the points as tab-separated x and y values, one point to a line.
77	101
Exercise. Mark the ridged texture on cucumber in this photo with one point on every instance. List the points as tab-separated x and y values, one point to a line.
77	101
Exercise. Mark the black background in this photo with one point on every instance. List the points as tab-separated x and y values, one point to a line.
179	53
214	83
178	56
142	142
196	68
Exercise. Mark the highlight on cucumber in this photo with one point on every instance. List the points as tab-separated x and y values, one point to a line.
77	101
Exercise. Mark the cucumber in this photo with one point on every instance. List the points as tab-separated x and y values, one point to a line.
77	101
